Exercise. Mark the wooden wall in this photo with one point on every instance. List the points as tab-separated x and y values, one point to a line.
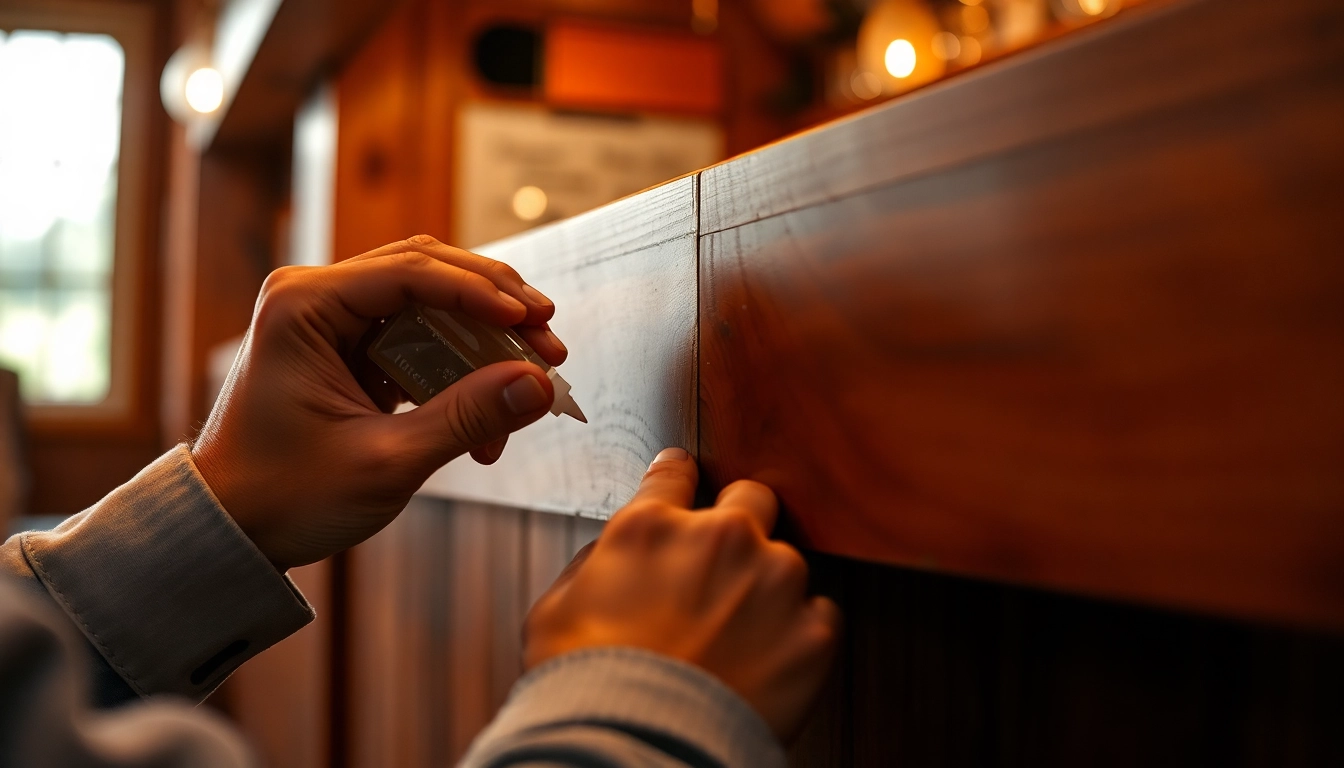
436	604
1046	357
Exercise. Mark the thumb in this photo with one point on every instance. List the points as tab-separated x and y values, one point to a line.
484	406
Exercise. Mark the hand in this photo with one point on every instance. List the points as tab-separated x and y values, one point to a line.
301	456
707	587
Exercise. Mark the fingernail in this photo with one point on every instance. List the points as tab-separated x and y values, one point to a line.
670	454
512	302
537	296
556	340
525	396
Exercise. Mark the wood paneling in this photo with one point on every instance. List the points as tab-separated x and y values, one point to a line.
395	102
1108	362
942	671
624	279
434	624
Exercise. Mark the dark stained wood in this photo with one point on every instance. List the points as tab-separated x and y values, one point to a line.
1109	362
624	279
943	671
303	42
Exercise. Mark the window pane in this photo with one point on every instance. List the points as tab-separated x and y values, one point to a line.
60	131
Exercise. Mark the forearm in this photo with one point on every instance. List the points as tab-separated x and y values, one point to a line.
624	706
163	585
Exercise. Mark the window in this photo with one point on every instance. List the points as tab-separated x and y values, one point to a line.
60	133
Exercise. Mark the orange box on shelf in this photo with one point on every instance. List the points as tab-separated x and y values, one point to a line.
592	66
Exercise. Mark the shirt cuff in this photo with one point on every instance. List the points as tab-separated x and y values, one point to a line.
653	697
164	584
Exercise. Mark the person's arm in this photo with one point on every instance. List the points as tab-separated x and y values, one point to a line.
685	639
163	585
679	638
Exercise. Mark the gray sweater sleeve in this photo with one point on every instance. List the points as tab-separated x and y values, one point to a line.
173	596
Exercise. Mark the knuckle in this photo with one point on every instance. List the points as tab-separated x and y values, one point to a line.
498	270
421	240
789	560
735	528
280	293
468	423
282	280
411	259
638	522
788	570
820	637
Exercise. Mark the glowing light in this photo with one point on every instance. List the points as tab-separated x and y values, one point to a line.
529	203
865	85
970	51
895	43
900	58
975	19
1093	7
704	16
205	90
946	46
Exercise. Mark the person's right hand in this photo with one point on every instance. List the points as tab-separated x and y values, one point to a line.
707	587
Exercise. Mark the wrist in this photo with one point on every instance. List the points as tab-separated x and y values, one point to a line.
220	476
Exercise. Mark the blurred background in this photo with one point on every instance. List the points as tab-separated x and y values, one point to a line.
159	157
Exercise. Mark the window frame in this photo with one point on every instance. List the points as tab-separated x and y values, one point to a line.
126	409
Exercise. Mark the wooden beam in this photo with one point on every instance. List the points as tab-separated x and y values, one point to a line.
280	56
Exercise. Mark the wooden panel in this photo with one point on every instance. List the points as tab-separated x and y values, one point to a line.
1158	56
436	607
1108	363
399	641
394	111
624	280
942	671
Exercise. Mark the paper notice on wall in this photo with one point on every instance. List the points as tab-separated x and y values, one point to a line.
520	166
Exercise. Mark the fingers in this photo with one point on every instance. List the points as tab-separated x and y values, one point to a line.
481	409
670	479
489	453
539	307
756	499
546	343
366	290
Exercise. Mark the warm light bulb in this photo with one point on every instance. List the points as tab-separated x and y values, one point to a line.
529	203
900	58
946	46
205	90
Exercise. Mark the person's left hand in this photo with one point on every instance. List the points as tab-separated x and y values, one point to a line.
296	450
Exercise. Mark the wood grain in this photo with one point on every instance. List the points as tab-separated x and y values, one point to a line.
935	670
1109	363
437	602
1153	57
624	281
